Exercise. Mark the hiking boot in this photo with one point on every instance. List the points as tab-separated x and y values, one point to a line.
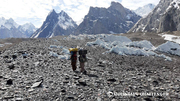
84	72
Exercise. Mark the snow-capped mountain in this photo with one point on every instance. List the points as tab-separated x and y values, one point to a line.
10	29
55	24
145	10
115	19
28	29
164	17
10	23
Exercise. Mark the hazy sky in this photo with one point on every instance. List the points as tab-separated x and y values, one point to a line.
36	11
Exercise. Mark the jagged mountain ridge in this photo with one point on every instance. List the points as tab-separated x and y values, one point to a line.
28	29
9	28
115	19
55	24
145	10
164	17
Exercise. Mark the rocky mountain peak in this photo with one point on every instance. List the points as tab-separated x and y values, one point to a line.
52	12
145	10
52	15
55	24
117	6
63	13
114	19
2	18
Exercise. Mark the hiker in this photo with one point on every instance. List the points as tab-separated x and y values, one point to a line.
82	59
73	57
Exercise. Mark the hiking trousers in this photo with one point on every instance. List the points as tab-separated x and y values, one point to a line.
73	63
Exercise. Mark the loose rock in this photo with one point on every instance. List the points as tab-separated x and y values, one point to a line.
9	82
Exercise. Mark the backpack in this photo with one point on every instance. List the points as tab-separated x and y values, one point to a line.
73	52
82	52
82	57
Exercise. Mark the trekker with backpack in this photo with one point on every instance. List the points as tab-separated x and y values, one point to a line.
73	57
82	59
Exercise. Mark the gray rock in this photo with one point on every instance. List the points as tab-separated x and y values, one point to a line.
66	81
112	80
82	82
147	99
14	56
155	83
70	97
11	66
3	89
19	99
8	61
37	84
110	94
6	57
9	82
76	77
8	97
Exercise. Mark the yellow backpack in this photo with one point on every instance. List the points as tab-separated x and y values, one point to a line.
73	49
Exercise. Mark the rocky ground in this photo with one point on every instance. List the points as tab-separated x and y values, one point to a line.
29	73
10	42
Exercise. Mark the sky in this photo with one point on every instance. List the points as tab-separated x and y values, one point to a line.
36	11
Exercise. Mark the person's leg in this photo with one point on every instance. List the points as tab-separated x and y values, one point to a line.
73	63
82	66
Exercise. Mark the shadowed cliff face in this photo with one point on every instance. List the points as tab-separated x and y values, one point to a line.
165	17
170	20
115	19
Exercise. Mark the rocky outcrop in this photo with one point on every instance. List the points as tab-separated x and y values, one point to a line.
152	22
170	20
115	19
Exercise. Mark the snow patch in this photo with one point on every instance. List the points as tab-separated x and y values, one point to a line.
41	31
169	47
131	51
124	46
146	45
158	10
171	38
1	45
112	38
174	4
65	53
65	23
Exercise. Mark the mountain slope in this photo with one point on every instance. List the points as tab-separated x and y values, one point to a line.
115	19
145	10
164	17
54	25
